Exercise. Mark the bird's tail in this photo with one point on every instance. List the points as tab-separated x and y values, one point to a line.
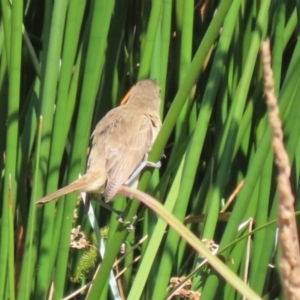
86	183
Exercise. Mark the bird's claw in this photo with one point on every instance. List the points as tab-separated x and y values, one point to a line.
130	226
144	163
156	165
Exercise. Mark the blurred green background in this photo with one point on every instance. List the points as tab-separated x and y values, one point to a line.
64	64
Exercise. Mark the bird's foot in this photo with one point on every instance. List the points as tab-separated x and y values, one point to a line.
143	164
156	165
130	226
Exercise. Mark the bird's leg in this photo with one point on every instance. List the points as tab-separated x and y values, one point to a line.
132	177
118	212
120	219
110	208
107	206
142	165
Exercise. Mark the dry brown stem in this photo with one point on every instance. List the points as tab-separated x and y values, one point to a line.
288	238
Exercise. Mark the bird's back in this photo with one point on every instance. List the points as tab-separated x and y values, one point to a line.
120	141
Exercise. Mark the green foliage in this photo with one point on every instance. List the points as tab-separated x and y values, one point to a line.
64	64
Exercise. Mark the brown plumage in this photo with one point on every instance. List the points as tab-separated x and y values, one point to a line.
121	141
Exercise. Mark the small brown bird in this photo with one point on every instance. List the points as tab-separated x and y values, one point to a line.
121	143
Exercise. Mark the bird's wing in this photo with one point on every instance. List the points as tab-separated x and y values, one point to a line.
126	149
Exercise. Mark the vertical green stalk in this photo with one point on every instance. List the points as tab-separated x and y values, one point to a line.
10	176
278	44
49	88
253	172
3	95
290	27
154	243
192	72
6	23
171	246
209	98
64	107
11	250
58	223
259	249
119	235
186	45
183	92
29	258
165	47
234	121
150	39
102	10
90	52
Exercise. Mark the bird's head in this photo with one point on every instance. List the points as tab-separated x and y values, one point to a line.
145	94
